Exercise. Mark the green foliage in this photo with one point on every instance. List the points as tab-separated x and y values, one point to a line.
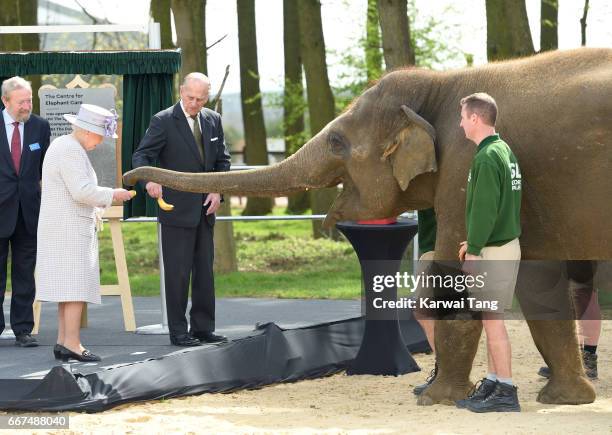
432	50
275	259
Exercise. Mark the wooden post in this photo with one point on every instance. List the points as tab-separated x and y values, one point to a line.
114	215
122	288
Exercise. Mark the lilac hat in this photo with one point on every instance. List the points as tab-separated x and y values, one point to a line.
95	119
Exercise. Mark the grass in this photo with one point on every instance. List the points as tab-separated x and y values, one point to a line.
275	259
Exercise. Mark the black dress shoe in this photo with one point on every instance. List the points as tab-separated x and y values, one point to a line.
57	351
25	340
209	337
86	356
184	340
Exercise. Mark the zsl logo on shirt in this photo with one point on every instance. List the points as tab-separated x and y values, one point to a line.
515	175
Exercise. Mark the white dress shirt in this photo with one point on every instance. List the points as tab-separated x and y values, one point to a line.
9	127
190	120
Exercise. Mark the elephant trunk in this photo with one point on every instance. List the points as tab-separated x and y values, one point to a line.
311	167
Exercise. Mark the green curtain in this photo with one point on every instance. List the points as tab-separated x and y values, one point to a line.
143	96
147	89
1	80
90	62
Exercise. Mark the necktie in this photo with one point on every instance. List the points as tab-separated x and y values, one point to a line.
197	135
16	147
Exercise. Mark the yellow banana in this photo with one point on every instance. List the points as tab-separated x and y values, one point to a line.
164	205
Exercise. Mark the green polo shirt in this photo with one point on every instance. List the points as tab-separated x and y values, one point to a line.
493	202
427	230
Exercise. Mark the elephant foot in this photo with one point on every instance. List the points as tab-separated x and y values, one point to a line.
575	390
444	392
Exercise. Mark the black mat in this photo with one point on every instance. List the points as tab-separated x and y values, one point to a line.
268	355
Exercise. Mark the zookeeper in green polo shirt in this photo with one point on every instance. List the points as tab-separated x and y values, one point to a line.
492	216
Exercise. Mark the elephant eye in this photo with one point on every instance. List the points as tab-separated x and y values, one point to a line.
337	143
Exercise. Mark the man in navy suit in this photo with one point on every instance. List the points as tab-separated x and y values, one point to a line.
188	138
24	139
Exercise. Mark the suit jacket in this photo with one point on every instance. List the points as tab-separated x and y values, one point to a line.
170	141
22	189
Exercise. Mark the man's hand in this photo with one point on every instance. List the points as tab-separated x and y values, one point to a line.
462	250
213	200
468	267
154	190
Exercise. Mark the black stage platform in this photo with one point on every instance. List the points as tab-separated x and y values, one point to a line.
105	335
272	341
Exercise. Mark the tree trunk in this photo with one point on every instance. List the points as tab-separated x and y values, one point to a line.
10	17
508	33
28	16
583	22
225	244
395	28
293	98
320	97
256	152
190	24
549	39
373	55
160	12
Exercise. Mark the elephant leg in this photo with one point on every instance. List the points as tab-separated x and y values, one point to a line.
558	343
456	346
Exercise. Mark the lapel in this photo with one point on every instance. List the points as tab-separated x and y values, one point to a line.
5	152
183	128
206	135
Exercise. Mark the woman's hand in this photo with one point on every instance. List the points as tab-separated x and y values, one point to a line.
121	195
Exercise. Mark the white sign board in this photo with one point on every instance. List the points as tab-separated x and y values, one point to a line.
56	102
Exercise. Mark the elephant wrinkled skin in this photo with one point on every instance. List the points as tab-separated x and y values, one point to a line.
399	147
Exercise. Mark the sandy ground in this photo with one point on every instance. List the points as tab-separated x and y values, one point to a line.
366	404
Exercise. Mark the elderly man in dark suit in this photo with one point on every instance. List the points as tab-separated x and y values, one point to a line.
189	138
24	139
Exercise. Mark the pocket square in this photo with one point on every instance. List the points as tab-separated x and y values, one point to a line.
212	139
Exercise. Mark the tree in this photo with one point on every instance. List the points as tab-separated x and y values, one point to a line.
10	17
256	151
28	16
508	33
225	243
373	55
320	97
293	97
160	12
583	22
549	39
397	48
190	25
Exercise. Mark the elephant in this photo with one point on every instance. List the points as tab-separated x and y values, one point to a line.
398	146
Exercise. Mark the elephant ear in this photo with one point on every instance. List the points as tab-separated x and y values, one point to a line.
412	152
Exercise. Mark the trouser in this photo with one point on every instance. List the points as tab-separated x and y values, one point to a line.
23	262
188	253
